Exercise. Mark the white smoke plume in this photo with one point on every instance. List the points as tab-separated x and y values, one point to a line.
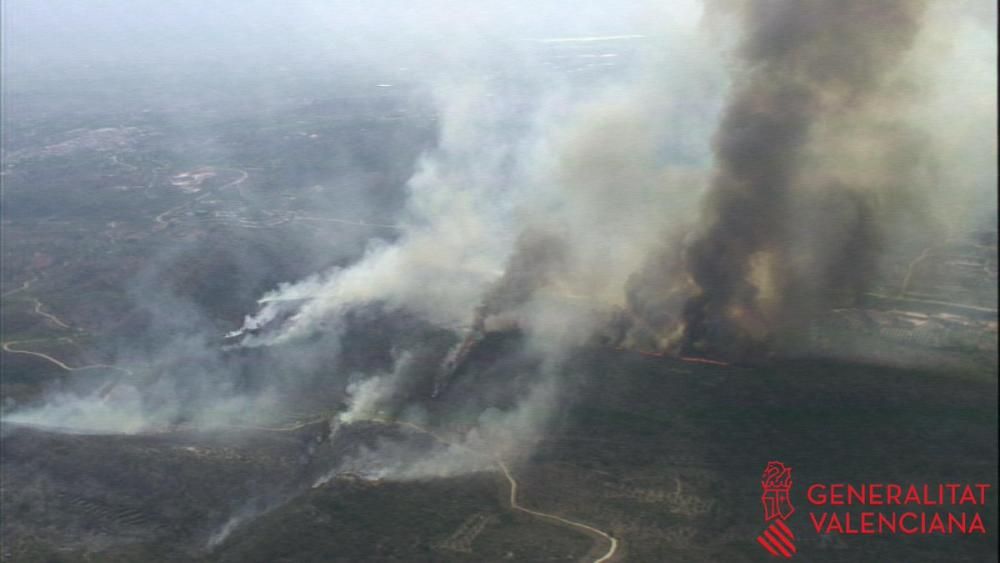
610	170
591	169
368	393
605	172
599	172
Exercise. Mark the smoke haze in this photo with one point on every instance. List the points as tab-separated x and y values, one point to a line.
746	171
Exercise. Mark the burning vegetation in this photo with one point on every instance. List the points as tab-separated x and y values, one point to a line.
782	235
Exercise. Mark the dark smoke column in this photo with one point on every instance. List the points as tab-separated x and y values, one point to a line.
801	62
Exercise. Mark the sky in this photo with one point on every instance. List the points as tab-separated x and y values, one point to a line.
90	31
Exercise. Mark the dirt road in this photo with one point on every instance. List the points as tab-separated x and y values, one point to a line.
612	542
515	505
8	347
163	222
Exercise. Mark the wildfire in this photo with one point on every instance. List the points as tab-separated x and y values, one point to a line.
688	359
696	360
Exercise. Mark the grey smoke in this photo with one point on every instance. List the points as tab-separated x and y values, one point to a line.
562	208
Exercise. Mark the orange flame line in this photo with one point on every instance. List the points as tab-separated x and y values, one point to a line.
689	359
694	360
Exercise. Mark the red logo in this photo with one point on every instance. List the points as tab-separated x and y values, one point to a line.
776	483
778	540
868	508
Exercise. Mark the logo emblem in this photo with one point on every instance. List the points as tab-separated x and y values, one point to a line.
776	483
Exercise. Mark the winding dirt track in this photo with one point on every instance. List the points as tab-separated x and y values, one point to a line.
161	220
612	542
38	304
514	504
49	316
23	287
7	347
